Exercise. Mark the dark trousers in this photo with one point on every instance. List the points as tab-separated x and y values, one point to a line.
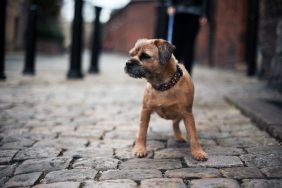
185	30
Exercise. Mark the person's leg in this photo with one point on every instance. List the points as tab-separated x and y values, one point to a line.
177	37
191	31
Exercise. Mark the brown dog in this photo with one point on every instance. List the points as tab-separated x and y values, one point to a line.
169	91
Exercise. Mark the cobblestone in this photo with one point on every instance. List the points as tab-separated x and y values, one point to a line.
133	174
214	182
48	164
262	160
98	163
23	180
163	183
215	161
37	152
189	173
242	172
261	183
123	183
90	152
164	164
69	175
273	172
59	185
63	133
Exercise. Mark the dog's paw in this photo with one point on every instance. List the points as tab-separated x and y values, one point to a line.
139	151
200	155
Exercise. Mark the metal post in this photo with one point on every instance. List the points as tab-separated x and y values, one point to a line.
76	46
3	4
96	42
252	36
30	43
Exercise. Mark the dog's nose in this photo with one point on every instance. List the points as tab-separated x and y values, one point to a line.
128	64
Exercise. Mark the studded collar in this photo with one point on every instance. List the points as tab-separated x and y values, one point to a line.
169	84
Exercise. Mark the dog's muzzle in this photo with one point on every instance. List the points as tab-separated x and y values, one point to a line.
134	69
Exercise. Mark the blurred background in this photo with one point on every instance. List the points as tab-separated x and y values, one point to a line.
241	35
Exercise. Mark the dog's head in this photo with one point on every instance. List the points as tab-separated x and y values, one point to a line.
148	58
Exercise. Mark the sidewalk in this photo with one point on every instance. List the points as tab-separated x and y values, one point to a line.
60	133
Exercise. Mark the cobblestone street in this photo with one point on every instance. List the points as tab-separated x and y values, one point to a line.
56	132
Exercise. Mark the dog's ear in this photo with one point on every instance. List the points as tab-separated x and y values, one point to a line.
165	50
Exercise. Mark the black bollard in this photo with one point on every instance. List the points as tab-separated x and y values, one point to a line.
76	46
30	42
3	5
252	36
96	42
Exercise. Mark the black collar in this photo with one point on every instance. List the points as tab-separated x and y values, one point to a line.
167	85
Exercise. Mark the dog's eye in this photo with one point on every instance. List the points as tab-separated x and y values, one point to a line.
144	56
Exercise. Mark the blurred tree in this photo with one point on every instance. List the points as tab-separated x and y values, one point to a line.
48	26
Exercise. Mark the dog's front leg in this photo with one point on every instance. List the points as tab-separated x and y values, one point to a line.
139	149
196	148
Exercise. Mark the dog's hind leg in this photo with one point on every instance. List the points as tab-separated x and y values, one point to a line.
176	130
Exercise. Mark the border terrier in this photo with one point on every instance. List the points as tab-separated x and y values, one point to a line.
169	92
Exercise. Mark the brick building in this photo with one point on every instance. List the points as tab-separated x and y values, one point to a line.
136	20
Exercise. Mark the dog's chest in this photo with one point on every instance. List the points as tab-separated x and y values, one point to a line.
167	107
168	112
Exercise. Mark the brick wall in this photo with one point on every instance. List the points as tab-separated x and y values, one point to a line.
135	21
228	49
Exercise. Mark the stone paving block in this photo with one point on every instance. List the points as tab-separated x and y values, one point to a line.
151	164
37	152
90	152
273	172
162	183
11	137
77	175
98	163
218	150
65	143
189	173
213	135
261	183
265	150
246	133
18	144
5	172
249	127
126	153
172	153
155	145
122	183
5	160
172	143
241	172
215	161
120	134
238	142
46	165
91	134
133	174
117	143
261	160
23	180
214	183
59	185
